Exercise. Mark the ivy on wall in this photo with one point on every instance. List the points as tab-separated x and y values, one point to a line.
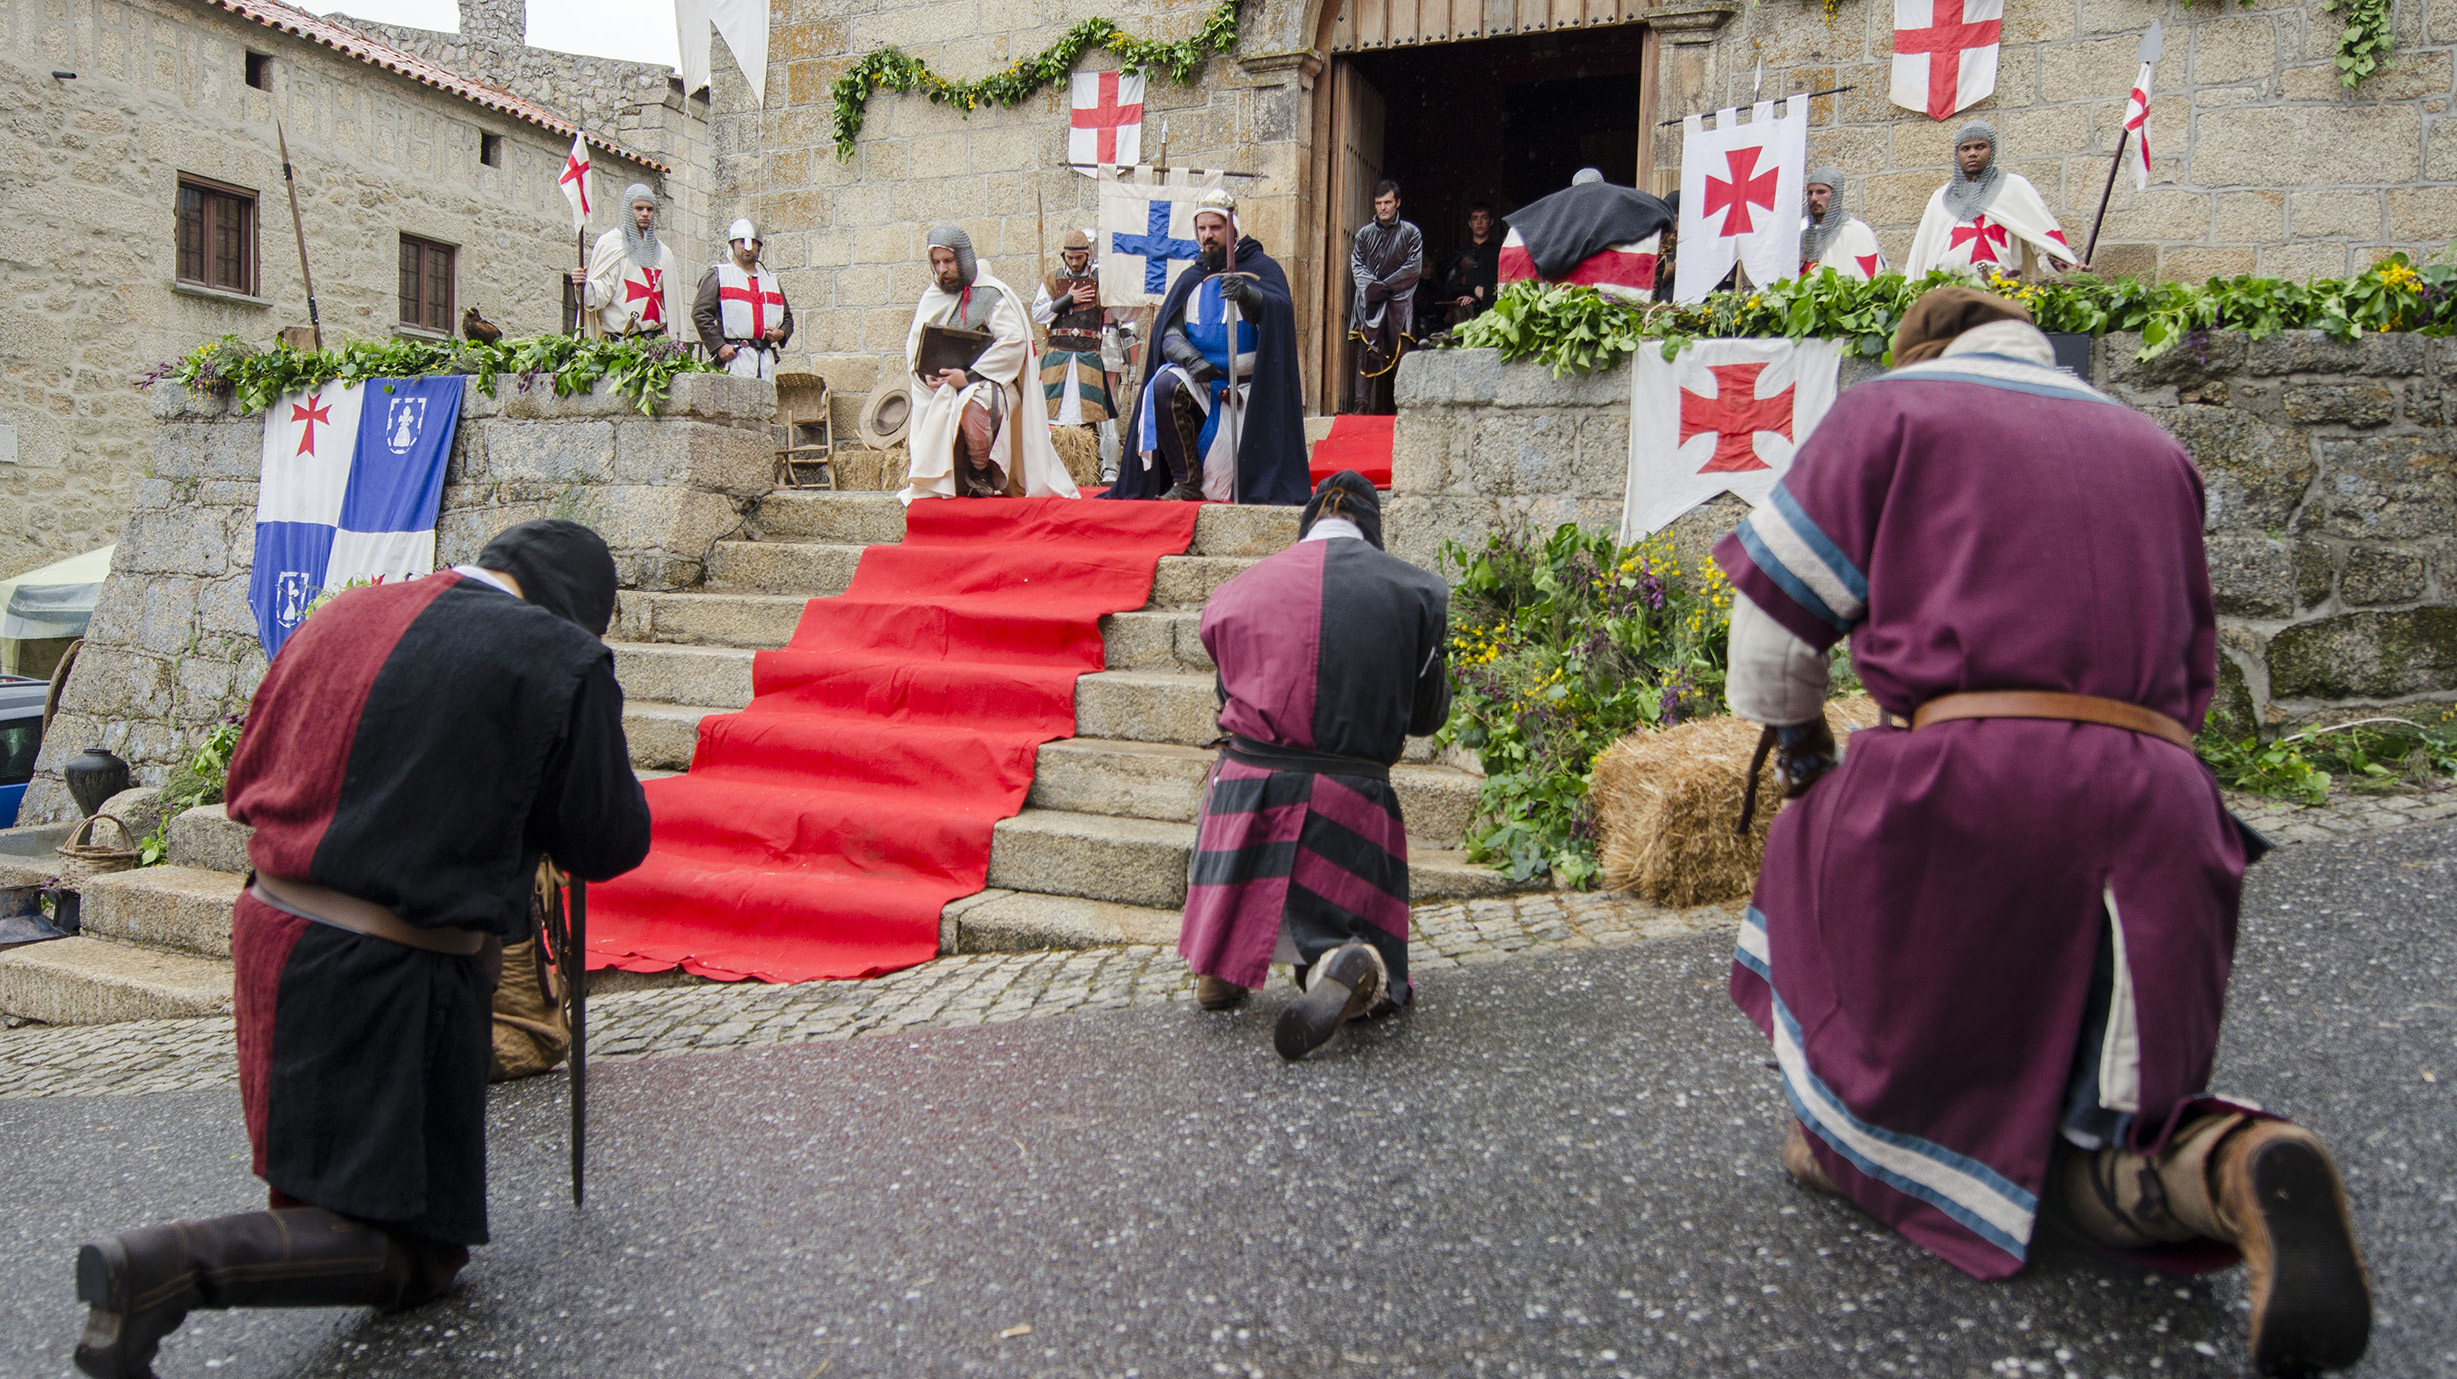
2363	46
893	68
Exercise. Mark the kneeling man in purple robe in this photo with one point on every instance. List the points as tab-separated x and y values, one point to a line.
1991	946
1330	657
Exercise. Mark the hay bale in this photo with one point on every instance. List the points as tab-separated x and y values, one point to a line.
1665	804
1079	449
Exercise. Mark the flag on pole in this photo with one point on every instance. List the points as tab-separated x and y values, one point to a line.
575	181
1740	196
2137	119
1105	126
351	479
1945	53
1147	230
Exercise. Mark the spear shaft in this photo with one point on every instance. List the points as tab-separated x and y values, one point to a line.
298	227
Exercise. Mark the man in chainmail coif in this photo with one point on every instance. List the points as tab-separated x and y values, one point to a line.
634	284
1986	219
1831	237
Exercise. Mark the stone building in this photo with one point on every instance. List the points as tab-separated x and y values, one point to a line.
2263	162
147	214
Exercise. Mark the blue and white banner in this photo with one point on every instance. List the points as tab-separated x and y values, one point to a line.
1147	230
352	477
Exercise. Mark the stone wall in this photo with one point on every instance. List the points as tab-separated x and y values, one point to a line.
172	649
2331	473
89	171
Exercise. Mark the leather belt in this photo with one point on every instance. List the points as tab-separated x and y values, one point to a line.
2074	708
1272	756
324	905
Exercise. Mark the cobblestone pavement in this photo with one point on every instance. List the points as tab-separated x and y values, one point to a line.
989	988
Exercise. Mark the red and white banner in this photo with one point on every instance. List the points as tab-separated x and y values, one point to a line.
1945	53
1723	417
1626	271
1740	196
575	181
2137	119
1105	126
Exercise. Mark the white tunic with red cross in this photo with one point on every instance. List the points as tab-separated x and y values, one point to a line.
2017	221
749	305
624	296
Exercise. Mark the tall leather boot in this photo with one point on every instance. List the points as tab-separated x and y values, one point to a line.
2266	1187
1185	461
142	1284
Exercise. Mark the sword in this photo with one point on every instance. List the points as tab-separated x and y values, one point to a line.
1228	399
576	1001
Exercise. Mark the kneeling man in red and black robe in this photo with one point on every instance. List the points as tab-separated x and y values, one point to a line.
412	752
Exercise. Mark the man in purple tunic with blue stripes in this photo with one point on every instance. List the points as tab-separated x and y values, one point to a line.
1330	656
1991	947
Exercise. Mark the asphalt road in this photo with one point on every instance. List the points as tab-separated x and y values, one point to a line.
1558	1165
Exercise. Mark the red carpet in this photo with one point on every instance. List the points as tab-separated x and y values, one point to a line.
1359	443
820	830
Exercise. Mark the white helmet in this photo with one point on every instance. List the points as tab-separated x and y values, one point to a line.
742	230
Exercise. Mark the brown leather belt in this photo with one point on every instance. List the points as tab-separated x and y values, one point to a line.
324	905
2074	708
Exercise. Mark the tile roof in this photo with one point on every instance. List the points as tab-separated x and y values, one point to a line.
376	53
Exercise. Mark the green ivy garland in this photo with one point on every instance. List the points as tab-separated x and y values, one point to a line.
897	70
641	370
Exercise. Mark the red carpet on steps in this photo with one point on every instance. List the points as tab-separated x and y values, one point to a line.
1359	443
820	831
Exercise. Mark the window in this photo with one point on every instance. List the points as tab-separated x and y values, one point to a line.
20	739
217	235
490	150
426	284
260	71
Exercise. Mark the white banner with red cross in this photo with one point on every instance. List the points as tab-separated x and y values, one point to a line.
1740	196
1722	417
1105	121
1945	53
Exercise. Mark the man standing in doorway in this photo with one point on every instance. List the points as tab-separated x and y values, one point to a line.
634	284
1479	264
740	310
978	431
1831	237
1386	259
1986	219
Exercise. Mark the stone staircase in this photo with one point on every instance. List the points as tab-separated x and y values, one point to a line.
1098	856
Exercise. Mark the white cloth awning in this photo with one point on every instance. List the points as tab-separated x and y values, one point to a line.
56	600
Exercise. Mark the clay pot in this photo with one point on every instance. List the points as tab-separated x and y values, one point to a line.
94	776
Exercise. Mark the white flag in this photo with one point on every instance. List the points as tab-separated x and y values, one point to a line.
1147	231
575	181
1945	53
691	31
1740	196
1723	417
744	25
1105	125
2137	119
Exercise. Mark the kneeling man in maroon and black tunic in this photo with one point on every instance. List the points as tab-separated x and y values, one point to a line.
413	750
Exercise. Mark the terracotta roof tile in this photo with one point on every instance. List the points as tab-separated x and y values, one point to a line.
377	53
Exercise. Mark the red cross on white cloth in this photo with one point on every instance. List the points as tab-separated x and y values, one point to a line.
759	298
1105	126
1945	53
1742	191
575	180
1734	415
313	410
651	291
1984	237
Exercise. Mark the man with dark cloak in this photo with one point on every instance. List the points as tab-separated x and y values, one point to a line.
1386	259
1590	234
413	751
1330	657
1177	438
1991	946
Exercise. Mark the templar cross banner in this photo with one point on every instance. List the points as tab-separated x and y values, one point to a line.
1945	53
1740	196
1147	230
1723	417
1105	126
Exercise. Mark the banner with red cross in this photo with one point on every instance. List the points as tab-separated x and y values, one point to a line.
1740	196
1945	53
1723	417
1105	125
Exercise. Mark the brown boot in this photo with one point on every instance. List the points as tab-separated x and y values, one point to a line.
1801	1163
2279	1196
142	1284
1344	984
1213	993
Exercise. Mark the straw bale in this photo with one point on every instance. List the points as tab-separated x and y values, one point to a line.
1665	804
1079	448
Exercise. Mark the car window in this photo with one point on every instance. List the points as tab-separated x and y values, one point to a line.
19	740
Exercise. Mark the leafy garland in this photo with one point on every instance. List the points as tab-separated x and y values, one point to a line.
1578	330
899	71
642	370
2364	46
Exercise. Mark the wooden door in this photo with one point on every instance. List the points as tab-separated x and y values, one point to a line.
1356	165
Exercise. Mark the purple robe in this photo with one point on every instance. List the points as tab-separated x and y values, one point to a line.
1921	943
1330	655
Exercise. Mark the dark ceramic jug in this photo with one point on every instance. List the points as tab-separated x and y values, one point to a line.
94	776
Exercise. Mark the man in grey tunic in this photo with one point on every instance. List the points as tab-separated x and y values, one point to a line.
1386	259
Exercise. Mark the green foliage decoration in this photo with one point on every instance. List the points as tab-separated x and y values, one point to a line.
2383	753
896	70
1578	329
642	369
2365	43
201	781
1559	647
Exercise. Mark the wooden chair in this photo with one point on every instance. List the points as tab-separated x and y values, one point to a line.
805	438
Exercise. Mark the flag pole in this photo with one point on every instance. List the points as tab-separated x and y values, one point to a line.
298	227
1228	399
2090	251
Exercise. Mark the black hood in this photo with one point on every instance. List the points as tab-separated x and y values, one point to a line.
562	566
1356	501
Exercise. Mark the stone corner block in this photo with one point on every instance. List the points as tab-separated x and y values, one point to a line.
736	460
720	397
169	401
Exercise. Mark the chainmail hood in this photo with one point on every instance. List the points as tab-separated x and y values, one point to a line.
640	245
1820	230
953	237
1966	197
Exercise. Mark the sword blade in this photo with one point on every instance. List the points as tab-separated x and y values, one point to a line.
576	987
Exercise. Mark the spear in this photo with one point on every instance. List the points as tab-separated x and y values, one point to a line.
576	993
298	227
1228	399
2152	43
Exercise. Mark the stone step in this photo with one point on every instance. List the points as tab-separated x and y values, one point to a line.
1185	581
759	621
93	981
1251	532
178	909
1147	706
857	519
1168	639
664	672
663	736
204	838
1156	780
809	569
1001	921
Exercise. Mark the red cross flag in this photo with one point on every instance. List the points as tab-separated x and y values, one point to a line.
1945	53
575	181
1105	128
1723	417
2137	119
1740	196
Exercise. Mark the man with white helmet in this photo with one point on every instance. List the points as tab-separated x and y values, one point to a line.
634	284
740	310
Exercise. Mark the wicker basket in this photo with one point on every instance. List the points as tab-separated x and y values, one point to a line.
80	857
